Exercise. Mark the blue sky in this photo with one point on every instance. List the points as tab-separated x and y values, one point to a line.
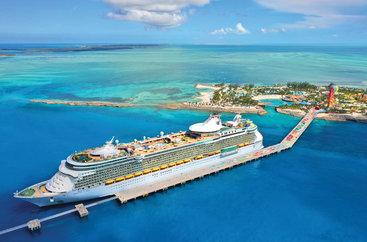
183	21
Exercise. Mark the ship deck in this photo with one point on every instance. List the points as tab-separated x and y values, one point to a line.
150	145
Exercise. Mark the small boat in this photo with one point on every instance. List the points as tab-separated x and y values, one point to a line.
199	157
187	160
171	164
179	162
147	171
164	167
217	152
155	169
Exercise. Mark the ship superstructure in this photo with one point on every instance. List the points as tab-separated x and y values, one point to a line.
115	167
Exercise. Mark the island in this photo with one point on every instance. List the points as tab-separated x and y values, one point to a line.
83	103
332	103
222	98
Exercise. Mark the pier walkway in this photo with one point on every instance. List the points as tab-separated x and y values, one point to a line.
145	190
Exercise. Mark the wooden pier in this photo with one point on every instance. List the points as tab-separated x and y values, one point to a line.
145	190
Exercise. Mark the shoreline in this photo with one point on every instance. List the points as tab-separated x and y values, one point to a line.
83	103
233	109
206	86
341	117
205	97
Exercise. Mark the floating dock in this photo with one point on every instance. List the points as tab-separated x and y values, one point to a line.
145	190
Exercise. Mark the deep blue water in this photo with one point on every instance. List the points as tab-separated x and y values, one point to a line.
314	192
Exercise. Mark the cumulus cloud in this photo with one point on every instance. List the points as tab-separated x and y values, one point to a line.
156	13
317	13
238	30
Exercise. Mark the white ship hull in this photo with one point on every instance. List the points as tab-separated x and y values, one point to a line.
107	190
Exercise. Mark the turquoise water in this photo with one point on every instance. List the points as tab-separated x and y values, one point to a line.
167	73
314	192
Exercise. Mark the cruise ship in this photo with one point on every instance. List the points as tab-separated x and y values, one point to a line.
116	167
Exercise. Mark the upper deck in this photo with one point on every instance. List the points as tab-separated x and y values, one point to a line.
153	145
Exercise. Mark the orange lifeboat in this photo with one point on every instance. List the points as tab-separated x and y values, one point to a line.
128	177
138	174
119	179
109	182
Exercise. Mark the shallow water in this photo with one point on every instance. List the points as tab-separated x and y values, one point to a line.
315	191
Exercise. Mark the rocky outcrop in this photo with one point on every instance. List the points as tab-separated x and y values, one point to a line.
227	109
293	112
342	117
326	116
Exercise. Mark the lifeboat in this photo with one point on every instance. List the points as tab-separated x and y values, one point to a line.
179	162
155	169
147	171
187	160
109	182
171	164
138	174
199	157
217	152
241	145
128	177
119	179
247	143
164	167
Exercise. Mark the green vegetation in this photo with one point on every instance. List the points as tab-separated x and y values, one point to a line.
228	96
82	157
346	100
351	91
295	106
233	86
28	192
301	86
248	86
245	101
220	84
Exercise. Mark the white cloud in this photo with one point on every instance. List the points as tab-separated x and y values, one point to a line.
269	31
238	30
156	13
317	13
